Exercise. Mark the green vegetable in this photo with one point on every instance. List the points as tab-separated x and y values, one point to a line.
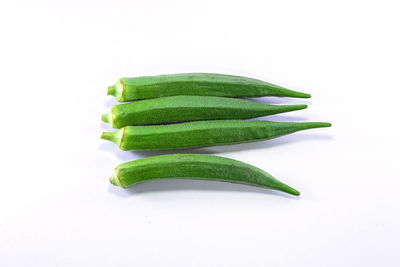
189	108
205	84
203	133
195	166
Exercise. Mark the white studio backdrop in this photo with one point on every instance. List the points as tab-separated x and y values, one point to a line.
57	207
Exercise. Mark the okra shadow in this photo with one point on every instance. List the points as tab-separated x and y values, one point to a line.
106	127
281	118
110	102
171	185
279	100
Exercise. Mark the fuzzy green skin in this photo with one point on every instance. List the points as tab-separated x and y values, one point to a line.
203	133
195	166
190	108
205	84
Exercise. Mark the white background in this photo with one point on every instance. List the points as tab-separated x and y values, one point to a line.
57	207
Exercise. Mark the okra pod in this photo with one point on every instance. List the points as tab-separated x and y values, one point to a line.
195	166
189	108
203	133
203	84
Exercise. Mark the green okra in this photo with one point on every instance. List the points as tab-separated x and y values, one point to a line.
204	84
195	166
189	108
203	133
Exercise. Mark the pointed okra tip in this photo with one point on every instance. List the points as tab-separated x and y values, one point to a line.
293	192
288	108
297	94
302	95
278	185
311	125
324	124
299	107
284	92
287	189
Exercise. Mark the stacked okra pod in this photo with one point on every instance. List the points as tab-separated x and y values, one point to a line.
196	110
